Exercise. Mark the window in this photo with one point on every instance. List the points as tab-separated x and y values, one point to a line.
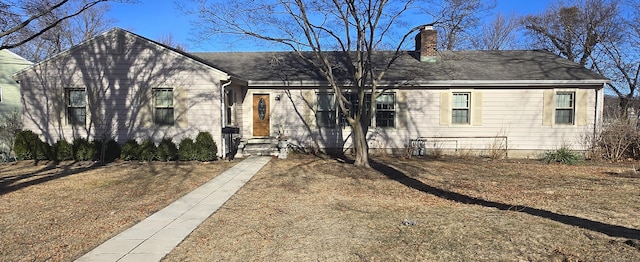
230	104
385	110
565	104
76	106
326	110
355	104
163	106
460	109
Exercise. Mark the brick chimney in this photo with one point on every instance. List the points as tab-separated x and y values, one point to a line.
426	44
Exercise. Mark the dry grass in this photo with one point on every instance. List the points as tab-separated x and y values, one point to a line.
58	212
308	208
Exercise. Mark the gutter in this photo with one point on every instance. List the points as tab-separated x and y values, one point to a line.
441	83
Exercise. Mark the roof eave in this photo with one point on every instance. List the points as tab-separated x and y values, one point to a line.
443	83
509	83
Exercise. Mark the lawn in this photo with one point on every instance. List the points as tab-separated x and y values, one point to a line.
314	209
58	212
310	208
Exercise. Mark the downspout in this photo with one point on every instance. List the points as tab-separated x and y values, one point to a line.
223	115
595	116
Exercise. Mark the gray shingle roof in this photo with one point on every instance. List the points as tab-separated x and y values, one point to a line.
451	66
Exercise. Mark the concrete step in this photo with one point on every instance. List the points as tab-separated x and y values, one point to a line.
261	152
262	140
259	146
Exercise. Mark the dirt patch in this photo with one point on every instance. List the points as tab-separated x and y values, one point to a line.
58	212
308	208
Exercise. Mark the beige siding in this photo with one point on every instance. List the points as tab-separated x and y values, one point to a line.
549	105
119	91
402	109
515	113
445	108
582	106
476	108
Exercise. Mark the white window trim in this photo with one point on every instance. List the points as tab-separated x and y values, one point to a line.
468	107
395	111
572	107
580	107
67	106
335	109
173	105
475	107
344	125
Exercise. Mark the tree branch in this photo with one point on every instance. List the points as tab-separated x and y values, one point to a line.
46	28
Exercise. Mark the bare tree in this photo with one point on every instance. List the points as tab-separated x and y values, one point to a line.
459	19
595	34
353	30
168	40
24	20
575	30
67	33
497	34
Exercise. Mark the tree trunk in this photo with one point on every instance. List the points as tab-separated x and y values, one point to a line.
360	145
624	105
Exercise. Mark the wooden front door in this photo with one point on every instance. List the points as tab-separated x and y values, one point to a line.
261	115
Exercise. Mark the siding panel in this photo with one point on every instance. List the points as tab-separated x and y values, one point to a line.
119	89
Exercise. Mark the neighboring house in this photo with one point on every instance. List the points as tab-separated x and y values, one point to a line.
9	96
122	85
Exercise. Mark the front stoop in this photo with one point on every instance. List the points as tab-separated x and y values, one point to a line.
262	146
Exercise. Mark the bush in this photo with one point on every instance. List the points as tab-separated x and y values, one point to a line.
147	150
83	150
562	155
111	153
63	150
167	150
206	149
130	150
187	150
618	140
28	146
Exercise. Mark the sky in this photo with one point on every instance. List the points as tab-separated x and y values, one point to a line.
156	19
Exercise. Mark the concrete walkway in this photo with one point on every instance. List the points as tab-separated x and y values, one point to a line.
157	235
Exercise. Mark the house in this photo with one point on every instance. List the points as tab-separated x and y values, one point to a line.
9	96
123	85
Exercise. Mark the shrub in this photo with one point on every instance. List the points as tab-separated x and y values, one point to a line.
562	155
130	150
205	147
187	150
618	140
167	150
147	150
111	153
83	150
63	150
28	146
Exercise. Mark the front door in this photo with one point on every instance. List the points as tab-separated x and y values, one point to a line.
261	115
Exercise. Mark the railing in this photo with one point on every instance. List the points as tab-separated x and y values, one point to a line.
419	145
